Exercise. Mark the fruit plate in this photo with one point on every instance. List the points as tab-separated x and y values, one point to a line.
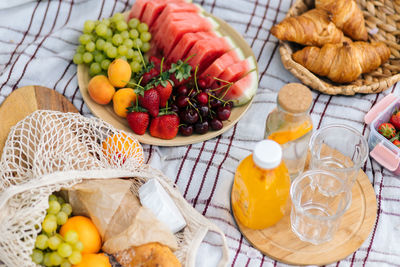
106	112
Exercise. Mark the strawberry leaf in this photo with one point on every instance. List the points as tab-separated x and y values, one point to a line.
181	70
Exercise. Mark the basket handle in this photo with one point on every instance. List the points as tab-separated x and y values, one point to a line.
385	157
379	107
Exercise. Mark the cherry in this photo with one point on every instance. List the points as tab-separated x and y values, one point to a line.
215	103
175	108
229	104
201	83
201	127
182	90
223	113
204	111
202	98
216	124
182	101
192	93
186	130
189	116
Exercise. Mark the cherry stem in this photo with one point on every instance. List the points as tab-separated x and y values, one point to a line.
195	77
161	65
188	58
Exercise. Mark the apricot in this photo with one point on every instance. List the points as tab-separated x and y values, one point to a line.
119	72
123	99
101	90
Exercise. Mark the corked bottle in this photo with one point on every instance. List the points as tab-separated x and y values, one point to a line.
290	125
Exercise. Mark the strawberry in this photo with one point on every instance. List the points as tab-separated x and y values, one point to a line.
396	143
164	126
387	130
164	92
395	119
138	119
151	101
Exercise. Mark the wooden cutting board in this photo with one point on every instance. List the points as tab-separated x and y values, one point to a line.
25	100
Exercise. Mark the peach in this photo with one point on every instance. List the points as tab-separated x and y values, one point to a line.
123	99
119	72
101	90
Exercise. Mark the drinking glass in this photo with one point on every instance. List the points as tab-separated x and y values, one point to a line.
319	200
339	149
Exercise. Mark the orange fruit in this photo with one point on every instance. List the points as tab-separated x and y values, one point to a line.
101	90
87	232
285	135
123	99
94	260
120	145
119	72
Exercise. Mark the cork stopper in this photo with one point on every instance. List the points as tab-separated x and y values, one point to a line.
295	98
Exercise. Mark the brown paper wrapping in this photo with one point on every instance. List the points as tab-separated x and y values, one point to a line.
121	220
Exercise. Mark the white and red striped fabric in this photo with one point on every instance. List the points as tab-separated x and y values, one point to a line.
37	42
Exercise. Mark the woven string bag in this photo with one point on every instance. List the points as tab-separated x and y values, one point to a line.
48	151
382	19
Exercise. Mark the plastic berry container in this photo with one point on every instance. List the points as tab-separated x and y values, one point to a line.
381	149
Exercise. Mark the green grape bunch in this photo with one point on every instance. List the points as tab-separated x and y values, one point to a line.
104	40
51	249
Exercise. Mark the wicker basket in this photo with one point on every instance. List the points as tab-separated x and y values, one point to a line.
381	16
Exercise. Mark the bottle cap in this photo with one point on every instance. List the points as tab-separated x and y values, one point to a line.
267	154
295	98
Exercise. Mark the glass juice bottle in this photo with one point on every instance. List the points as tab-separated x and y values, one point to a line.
290	125
261	187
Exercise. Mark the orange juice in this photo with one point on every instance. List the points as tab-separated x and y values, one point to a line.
261	187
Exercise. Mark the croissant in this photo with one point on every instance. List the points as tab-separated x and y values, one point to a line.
347	16
311	28
343	62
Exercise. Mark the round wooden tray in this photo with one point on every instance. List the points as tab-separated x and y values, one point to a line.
280	243
107	113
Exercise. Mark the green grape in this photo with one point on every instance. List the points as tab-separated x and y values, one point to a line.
109	33
46	259
133	23
112	52
49	226
118	16
105	63
71	237
87	57
122	50
94	69
101	29
65	263
62	217
121	25
145	37
52	197
100	44
90	47
67	208
122	57
130	53
136	56
55	258
107	45
80	49
54	242
142	27
51	217
135	66
60	200
65	250
85	38
128	43
125	35
99	58
106	22
78	246
117	39
145	47
137	44
134	34
41	241
54	207
75	257
77	59
37	256
88	26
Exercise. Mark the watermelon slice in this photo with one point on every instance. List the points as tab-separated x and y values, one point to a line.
138	8
182	48
170	19
207	51
236	71
220	64
154	8
244	89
